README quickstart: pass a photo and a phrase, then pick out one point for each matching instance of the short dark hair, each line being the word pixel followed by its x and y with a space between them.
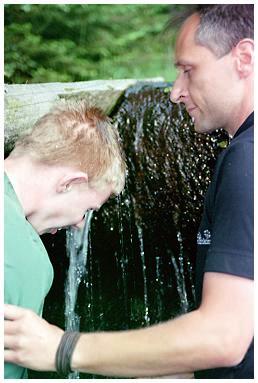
pixel 222 26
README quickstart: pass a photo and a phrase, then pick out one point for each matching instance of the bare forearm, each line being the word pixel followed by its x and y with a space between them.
pixel 218 334
pixel 182 345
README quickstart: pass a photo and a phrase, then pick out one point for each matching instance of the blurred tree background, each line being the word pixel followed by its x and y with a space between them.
pixel 66 43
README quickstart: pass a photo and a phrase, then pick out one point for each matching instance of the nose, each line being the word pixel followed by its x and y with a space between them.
pixel 178 92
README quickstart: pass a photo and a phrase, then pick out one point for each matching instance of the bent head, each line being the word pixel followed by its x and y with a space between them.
pixel 68 203
pixel 78 149
pixel 214 57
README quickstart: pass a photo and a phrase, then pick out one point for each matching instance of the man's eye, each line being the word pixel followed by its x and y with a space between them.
pixel 187 70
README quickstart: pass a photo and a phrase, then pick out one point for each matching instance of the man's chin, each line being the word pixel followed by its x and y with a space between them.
pixel 203 128
pixel 199 129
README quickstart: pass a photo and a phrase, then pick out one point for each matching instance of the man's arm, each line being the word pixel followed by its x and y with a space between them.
pixel 216 335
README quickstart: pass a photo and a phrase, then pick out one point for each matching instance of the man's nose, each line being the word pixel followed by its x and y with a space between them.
pixel 178 92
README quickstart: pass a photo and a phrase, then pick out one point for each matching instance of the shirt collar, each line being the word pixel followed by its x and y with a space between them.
pixel 246 124
pixel 9 190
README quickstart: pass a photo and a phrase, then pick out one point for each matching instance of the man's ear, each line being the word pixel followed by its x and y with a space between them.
pixel 244 53
pixel 66 182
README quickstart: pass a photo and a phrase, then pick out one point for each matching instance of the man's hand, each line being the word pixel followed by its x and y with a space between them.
pixel 29 341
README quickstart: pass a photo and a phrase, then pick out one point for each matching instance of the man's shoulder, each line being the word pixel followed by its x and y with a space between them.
pixel 240 151
pixel 234 168
pixel 246 137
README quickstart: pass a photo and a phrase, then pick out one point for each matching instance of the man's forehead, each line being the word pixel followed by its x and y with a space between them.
pixel 186 39
pixel 187 32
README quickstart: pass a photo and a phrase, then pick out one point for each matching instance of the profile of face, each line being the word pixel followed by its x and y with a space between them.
pixel 206 84
pixel 67 206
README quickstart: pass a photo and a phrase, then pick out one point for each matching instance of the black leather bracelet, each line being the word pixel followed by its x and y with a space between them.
pixel 65 351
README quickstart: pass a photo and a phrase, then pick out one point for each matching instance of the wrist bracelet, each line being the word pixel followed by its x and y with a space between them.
pixel 65 351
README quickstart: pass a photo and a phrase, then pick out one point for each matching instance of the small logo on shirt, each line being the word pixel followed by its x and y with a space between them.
pixel 204 239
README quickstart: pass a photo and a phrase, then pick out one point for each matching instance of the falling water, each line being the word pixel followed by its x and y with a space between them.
pixel 159 288
pixel 180 275
pixel 77 249
pixel 124 256
pixel 145 290
pixel 142 245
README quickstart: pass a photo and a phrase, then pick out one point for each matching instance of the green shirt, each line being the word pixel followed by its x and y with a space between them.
pixel 28 271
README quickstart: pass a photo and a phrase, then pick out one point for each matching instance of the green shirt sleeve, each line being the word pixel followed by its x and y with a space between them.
pixel 28 271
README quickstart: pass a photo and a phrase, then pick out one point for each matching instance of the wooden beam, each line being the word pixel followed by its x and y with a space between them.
pixel 25 103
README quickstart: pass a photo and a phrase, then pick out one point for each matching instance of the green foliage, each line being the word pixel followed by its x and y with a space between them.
pixel 48 43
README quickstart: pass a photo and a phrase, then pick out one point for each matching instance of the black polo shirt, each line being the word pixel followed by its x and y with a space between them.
pixel 225 237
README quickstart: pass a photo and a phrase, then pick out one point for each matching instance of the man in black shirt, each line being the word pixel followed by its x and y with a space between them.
pixel 214 55
pixel 225 236
pixel 211 95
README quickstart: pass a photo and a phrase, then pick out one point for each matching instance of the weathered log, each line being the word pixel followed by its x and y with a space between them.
pixel 25 103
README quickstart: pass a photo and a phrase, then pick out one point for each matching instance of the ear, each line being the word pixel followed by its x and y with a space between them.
pixel 66 182
pixel 244 53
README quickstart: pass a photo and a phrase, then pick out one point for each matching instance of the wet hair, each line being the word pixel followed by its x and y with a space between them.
pixel 222 26
pixel 77 135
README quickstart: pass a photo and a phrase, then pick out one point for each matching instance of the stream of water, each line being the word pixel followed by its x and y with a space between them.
pixel 77 250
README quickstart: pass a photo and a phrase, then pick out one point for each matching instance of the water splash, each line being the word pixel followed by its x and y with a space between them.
pixel 77 250
pixel 180 275
pixel 124 256
pixel 145 290
pixel 159 288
